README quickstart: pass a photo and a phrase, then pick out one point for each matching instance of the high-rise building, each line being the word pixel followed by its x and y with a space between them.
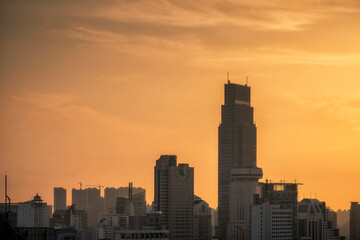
pixel 355 221
pixel 343 222
pixel 238 174
pixel 138 198
pixel 89 200
pixel 271 222
pixel 286 196
pixel 59 198
pixel 110 195
pixel 34 213
pixel 313 222
pixel 202 219
pixel 174 194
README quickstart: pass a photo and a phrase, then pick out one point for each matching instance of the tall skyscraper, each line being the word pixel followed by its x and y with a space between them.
pixel 174 194
pixel 237 162
pixel 59 198
pixel 355 221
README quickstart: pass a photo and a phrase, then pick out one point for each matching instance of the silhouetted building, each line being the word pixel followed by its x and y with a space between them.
pixel 90 201
pixel 202 219
pixel 271 222
pixel 59 198
pixel 138 198
pixel 355 221
pixel 79 198
pixel 149 230
pixel 34 213
pixel 124 206
pixel 174 190
pixel 110 195
pixel 313 221
pixel 237 163
pixel 286 196
pixel 343 222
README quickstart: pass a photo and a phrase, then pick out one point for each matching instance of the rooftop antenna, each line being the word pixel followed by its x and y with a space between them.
pixel 228 79
pixel 246 81
pixel 7 198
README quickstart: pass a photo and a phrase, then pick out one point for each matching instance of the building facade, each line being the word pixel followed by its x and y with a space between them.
pixel 237 150
pixel 355 221
pixel 34 213
pixel 174 194
pixel 202 219
pixel 59 198
pixel 271 222
pixel 313 222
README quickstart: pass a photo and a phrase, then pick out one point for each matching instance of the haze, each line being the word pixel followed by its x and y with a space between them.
pixel 96 91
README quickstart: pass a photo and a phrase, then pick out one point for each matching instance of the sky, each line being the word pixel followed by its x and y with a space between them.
pixel 96 91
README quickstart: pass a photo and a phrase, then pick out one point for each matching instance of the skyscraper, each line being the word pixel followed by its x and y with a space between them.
pixel 59 198
pixel 355 221
pixel 237 158
pixel 174 194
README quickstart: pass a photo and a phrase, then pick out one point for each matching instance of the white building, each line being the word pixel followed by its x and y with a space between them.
pixel 244 184
pixel 271 222
pixel 34 213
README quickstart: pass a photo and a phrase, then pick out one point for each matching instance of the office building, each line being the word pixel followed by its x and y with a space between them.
pixel 355 221
pixel 89 200
pixel 34 213
pixel 237 170
pixel 174 194
pixel 59 198
pixel 313 221
pixel 285 195
pixel 202 219
pixel 343 222
pixel 271 222
pixel 138 198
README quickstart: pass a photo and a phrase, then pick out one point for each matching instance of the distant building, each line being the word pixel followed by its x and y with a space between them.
pixel 355 221
pixel 343 222
pixel 174 192
pixel 110 222
pixel 202 219
pixel 151 229
pixel 110 195
pixel 59 198
pixel 138 198
pixel 34 213
pixel 313 222
pixel 271 222
pixel 89 200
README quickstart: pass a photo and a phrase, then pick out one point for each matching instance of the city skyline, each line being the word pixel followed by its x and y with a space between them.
pixel 96 94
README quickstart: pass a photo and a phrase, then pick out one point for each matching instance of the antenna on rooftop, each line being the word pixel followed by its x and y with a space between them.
pixel 246 81
pixel 228 79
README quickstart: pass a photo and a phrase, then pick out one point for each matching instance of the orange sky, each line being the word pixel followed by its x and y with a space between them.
pixel 96 91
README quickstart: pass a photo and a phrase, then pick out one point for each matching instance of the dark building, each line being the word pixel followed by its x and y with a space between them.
pixel 286 196
pixel 59 198
pixel 202 219
pixel 237 145
pixel 174 194
pixel 314 222
pixel 355 221
pixel 89 200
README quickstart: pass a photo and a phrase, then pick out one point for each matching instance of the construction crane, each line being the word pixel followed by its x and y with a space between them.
pixel 97 186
